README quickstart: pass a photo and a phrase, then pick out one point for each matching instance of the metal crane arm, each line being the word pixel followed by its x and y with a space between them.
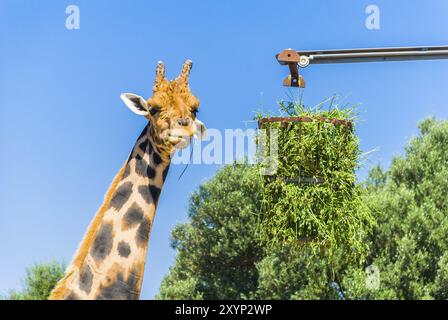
pixel 295 59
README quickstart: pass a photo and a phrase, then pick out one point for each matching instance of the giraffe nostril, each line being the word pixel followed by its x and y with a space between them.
pixel 183 122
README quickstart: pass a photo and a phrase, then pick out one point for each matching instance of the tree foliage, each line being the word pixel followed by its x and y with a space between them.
pixel 217 249
pixel 40 279
pixel 409 246
pixel 219 256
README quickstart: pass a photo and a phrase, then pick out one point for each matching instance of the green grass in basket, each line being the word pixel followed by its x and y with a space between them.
pixel 330 215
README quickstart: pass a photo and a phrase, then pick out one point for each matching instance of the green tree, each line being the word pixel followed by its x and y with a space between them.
pixel 296 273
pixel 219 255
pixel 217 249
pixel 39 281
pixel 409 246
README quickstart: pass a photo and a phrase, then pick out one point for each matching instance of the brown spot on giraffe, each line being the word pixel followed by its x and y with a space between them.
pixel 143 230
pixel 102 245
pixel 124 249
pixel 85 279
pixel 121 195
pixel 133 216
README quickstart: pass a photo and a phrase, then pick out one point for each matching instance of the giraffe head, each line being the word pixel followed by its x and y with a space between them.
pixel 171 110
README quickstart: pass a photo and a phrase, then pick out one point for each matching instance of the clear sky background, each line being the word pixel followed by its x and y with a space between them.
pixel 64 132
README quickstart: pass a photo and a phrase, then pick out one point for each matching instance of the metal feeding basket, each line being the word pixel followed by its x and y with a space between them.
pixel 312 198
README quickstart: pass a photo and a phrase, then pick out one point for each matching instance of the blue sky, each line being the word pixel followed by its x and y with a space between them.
pixel 64 132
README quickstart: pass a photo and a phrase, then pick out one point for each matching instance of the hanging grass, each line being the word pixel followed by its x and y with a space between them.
pixel 313 198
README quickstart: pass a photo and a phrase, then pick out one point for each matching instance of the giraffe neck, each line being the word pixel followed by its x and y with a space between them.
pixel 110 261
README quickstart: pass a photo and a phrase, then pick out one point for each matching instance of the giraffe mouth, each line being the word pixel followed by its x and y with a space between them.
pixel 179 142
pixel 180 138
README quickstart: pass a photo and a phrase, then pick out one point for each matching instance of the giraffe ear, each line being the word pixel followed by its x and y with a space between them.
pixel 136 103
pixel 201 130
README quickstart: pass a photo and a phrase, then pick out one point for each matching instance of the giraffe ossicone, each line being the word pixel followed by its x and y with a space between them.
pixel 110 260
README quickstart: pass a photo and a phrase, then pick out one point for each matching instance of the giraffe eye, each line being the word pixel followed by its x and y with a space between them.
pixel 153 111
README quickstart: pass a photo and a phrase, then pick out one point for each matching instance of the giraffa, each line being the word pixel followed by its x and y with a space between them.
pixel 110 260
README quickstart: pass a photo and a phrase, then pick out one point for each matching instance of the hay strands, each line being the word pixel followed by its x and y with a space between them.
pixel 284 121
